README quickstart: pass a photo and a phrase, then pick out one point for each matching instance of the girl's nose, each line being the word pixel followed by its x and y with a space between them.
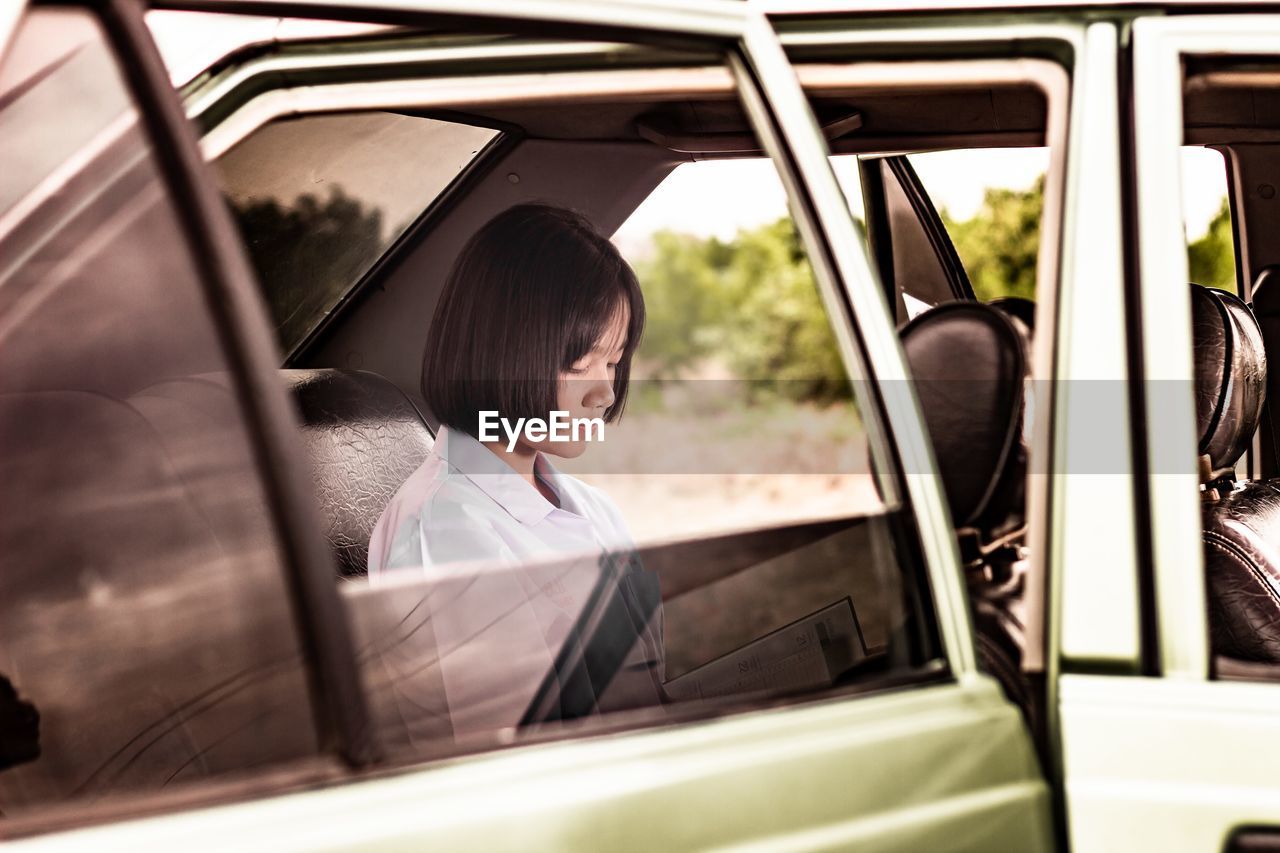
pixel 599 391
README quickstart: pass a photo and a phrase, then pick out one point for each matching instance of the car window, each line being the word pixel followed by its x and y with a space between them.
pixel 1206 215
pixel 320 198
pixel 727 543
pixel 146 636
pixel 990 201
pixel 748 554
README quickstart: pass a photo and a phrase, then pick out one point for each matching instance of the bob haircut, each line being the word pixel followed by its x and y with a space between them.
pixel 530 294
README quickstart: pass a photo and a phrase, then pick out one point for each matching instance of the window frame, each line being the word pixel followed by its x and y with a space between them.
pixel 778 108
pixel 1179 602
pixel 999 43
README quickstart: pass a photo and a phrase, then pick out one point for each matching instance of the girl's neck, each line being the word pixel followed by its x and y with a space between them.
pixel 523 460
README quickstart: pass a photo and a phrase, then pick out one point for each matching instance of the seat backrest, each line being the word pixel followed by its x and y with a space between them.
pixel 969 365
pixel 1241 521
pixel 364 438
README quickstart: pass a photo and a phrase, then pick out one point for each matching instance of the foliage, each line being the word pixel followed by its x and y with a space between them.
pixel 1212 258
pixel 999 245
pixel 749 305
pixel 308 255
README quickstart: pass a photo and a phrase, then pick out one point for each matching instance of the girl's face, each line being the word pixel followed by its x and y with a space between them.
pixel 586 388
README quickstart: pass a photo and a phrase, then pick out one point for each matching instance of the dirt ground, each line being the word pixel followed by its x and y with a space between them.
pixel 676 475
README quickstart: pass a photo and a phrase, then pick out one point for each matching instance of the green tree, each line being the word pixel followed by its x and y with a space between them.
pixel 308 254
pixel 999 245
pixel 749 304
pixel 1212 258
pixel 683 283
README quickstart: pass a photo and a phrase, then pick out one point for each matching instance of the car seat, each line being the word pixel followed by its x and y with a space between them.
pixel 969 364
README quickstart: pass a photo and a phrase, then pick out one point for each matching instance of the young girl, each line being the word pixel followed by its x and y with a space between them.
pixel 540 313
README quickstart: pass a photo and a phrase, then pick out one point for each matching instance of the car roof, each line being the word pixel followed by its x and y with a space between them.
pixel 732 8
pixel 784 8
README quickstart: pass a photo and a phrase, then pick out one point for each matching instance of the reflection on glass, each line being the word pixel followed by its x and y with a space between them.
pixel 476 653
pixel 146 637
pixel 320 198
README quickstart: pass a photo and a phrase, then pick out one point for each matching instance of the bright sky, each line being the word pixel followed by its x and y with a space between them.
pixel 717 198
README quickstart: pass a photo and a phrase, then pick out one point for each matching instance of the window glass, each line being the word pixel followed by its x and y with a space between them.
pixel 145 631
pixel 320 198
pixel 990 200
pixel 721 544
pixel 1211 254
pixel 738 365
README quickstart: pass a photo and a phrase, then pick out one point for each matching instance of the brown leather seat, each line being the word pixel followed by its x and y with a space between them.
pixel 364 438
pixel 969 364
pixel 1241 520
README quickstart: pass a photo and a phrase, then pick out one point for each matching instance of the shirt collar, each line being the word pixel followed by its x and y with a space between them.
pixel 500 481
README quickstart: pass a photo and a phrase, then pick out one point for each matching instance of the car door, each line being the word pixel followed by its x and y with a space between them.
pixel 934 757
pixel 1164 744
pixel 155 548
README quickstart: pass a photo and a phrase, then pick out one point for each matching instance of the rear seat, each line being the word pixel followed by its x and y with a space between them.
pixel 1240 520
pixel 364 438
pixel 969 364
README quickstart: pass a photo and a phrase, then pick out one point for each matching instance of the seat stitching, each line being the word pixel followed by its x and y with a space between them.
pixel 1232 550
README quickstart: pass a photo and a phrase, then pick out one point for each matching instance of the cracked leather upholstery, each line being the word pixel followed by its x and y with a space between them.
pixel 1242 528
pixel 1242 563
pixel 364 439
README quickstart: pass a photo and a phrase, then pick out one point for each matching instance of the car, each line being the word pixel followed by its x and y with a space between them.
pixel 964 538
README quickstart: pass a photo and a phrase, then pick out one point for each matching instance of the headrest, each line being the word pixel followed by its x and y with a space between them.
pixel 969 364
pixel 1231 374
pixel 364 438
pixel 1016 306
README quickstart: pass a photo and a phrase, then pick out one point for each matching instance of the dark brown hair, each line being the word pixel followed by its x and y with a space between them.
pixel 530 294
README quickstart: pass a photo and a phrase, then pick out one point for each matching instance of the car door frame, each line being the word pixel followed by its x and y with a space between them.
pixel 876 173
pixel 969 703
pixel 1157 753
pixel 1082 382
pixel 792 138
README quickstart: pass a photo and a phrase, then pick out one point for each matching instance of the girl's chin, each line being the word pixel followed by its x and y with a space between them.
pixel 563 449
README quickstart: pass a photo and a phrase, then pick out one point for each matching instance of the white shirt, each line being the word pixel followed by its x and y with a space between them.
pixel 464 503
pixel 511 574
